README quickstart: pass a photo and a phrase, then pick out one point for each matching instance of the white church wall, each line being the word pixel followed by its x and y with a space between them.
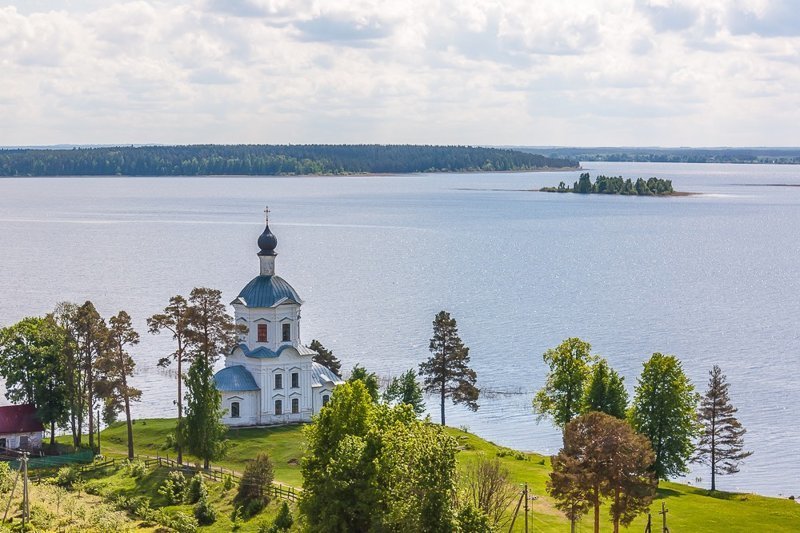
pixel 248 410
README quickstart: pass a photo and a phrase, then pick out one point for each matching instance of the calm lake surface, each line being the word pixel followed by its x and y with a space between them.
pixel 712 279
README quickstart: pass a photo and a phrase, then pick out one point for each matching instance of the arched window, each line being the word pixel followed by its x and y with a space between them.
pixel 278 407
pixel 234 409
pixel 262 333
pixel 325 399
pixel 295 406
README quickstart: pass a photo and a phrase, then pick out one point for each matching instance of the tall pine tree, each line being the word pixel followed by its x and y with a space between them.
pixel 325 357
pixel 115 365
pixel 721 444
pixel 447 372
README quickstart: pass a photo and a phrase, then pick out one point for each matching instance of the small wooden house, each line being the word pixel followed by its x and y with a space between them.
pixel 20 428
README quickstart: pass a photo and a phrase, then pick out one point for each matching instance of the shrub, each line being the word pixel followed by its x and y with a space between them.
pixel 284 520
pixel 135 469
pixel 67 476
pixel 227 483
pixel 196 489
pixel 173 487
pixel 6 478
pixel 203 512
pixel 236 518
pixel 472 520
pixel 178 521
pixel 254 488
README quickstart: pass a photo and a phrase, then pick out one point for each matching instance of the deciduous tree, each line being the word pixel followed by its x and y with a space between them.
pixel 447 372
pixel 602 459
pixel 33 365
pixel 721 444
pixel 373 467
pixel 175 319
pixel 115 365
pixel 562 397
pixel 664 410
pixel 406 389
pixel 486 486
pixel 325 357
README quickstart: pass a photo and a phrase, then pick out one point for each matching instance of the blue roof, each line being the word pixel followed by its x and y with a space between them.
pixel 262 352
pixel 235 378
pixel 267 291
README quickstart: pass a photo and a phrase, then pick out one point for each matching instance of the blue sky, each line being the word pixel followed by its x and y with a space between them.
pixel 589 73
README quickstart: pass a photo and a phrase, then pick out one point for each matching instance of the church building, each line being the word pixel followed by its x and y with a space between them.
pixel 269 378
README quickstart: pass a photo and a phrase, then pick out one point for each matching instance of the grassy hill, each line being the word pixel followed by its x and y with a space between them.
pixel 690 508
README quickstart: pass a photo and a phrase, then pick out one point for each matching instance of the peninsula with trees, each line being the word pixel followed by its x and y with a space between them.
pixel 617 185
pixel 270 160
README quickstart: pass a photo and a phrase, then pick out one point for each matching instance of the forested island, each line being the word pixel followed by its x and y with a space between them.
pixel 616 185
pixel 269 160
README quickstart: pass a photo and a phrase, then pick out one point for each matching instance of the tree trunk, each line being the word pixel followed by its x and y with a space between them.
pixel 130 425
pixel 90 406
pixel 178 439
pixel 443 395
pixel 617 515
pixel 596 509
pixel 205 463
pixel 52 433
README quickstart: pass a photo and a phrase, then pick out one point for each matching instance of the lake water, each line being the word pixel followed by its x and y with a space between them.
pixel 712 279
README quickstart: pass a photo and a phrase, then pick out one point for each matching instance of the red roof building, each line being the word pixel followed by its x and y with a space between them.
pixel 20 427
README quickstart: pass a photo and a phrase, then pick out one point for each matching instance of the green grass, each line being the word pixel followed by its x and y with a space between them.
pixel 690 508
pixel 111 483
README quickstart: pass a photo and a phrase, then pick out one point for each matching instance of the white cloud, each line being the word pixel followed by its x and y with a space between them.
pixel 669 72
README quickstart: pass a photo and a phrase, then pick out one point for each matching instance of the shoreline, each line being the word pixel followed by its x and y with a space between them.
pixel 341 175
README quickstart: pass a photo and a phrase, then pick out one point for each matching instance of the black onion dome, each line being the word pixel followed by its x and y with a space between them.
pixel 267 242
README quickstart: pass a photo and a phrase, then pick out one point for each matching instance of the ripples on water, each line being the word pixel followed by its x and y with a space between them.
pixel 712 278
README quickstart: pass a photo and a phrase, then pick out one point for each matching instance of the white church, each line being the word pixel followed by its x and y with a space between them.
pixel 269 378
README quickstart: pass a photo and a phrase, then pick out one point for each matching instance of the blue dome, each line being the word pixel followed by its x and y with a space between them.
pixel 266 291
pixel 235 378
pixel 267 242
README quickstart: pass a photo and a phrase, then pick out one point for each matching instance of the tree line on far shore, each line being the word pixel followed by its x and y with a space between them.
pixel 261 159
pixel 615 185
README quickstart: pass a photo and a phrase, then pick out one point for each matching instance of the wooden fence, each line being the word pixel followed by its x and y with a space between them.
pixel 218 473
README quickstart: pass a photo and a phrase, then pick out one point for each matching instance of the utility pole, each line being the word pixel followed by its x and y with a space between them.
pixel 526 507
pixel 25 503
pixel 663 512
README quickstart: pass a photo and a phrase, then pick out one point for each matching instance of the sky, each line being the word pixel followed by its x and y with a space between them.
pixel 528 72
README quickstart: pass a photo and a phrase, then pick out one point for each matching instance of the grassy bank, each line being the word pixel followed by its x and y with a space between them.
pixel 690 509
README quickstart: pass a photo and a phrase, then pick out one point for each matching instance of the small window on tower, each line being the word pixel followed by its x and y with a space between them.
pixel 287 332
pixel 295 380
pixel 262 333
pixel 278 381
pixel 295 405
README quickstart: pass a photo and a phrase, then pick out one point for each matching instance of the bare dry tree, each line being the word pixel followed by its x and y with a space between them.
pixel 486 485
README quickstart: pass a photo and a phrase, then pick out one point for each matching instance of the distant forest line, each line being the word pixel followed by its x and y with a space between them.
pixel 271 160
pixel 781 156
